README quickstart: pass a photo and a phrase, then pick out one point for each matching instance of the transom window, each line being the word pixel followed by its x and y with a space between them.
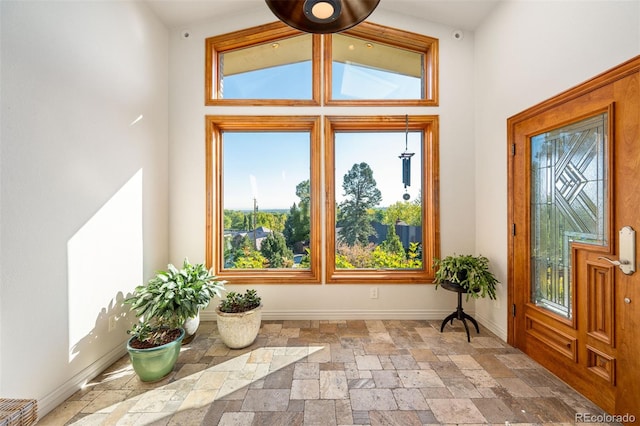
pixel 290 203
pixel 277 65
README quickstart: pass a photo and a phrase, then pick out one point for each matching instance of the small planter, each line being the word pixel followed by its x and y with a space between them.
pixel 239 330
pixel 154 364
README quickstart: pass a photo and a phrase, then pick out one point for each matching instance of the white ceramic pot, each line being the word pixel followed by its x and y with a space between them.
pixel 191 327
pixel 239 330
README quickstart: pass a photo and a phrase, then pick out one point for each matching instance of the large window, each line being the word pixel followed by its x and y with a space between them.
pixel 263 198
pixel 382 216
pixel 290 203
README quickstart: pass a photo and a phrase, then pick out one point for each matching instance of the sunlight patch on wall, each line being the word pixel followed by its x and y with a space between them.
pixel 104 260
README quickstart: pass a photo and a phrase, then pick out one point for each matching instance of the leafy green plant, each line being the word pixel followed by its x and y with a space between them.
pixel 171 297
pixel 470 272
pixel 236 302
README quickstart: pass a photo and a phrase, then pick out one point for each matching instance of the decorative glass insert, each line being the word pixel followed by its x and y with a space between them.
pixel 280 69
pixel 363 69
pixel 266 200
pixel 378 218
pixel 568 204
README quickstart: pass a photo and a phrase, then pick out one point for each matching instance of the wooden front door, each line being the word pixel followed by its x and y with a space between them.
pixel 574 208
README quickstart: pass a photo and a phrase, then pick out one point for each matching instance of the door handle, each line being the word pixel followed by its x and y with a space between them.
pixel 614 262
pixel 626 250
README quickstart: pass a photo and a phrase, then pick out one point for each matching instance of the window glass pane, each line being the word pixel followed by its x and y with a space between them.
pixel 266 199
pixel 568 203
pixel 378 218
pixel 363 69
pixel 275 70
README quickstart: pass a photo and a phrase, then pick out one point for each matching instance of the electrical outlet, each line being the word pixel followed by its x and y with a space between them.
pixel 112 322
pixel 373 293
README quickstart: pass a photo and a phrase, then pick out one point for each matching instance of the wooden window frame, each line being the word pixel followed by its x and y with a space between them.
pixel 428 125
pixel 322 245
pixel 421 44
pixel 418 43
pixel 214 46
pixel 215 126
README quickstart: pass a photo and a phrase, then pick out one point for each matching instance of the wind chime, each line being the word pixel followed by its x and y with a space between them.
pixel 406 161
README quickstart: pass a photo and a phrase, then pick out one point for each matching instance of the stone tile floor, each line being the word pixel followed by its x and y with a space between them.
pixel 333 373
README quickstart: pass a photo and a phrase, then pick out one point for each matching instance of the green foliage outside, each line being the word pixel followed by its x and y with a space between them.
pixel 390 254
pixel 274 249
pixel 306 259
pixel 297 227
pixel 355 212
pixel 342 262
pixel 291 231
pixel 243 221
pixel 392 243
pixel 273 221
pixel 376 257
pixel 250 259
pixel 406 211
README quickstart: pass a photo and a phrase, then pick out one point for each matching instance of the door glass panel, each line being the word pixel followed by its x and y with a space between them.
pixel 568 203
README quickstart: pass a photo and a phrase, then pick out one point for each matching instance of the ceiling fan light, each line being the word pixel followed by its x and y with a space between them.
pixel 322 11
pixel 322 16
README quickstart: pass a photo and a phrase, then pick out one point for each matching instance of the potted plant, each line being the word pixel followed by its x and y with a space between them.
pixel 193 287
pixel 163 305
pixel 469 272
pixel 153 349
pixel 239 317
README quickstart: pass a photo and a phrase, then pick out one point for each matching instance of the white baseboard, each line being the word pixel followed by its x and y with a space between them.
pixel 51 401
pixel 492 326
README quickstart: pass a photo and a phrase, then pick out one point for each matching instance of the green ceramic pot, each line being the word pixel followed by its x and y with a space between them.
pixel 153 364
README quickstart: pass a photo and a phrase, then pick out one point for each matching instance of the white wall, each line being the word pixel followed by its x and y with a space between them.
pixel 187 169
pixel 84 175
pixel 526 52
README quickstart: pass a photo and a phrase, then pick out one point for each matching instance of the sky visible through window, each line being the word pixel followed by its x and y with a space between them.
pixel 268 83
pixel 351 81
pixel 380 151
pixel 267 166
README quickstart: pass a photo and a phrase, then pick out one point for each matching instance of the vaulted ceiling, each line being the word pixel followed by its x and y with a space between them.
pixel 459 14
